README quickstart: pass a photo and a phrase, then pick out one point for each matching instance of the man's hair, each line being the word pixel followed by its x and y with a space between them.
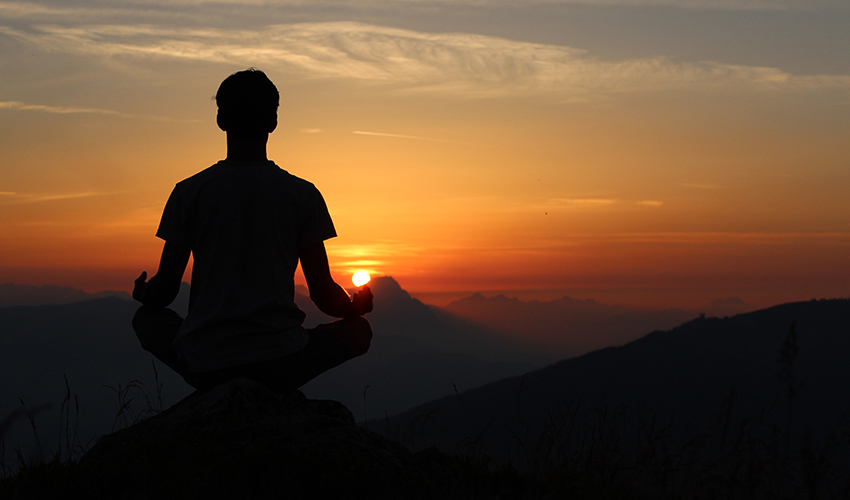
pixel 247 103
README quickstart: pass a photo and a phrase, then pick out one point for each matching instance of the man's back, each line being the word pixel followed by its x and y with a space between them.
pixel 244 223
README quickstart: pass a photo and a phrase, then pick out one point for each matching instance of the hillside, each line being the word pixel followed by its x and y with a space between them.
pixel 684 375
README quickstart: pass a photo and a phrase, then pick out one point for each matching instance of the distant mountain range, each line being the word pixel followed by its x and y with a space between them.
pixel 27 295
pixel 688 375
pixel 569 327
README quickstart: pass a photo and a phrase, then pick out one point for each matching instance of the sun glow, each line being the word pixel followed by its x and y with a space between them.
pixel 360 278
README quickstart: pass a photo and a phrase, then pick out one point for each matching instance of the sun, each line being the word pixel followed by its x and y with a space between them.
pixel 360 278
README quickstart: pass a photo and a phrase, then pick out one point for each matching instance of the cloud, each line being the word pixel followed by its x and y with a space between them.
pixel 64 110
pixel 18 198
pixel 404 60
pixel 381 248
pixel 556 205
pixel 17 10
pixel 361 263
pixel 12 12
pixel 400 136
pixel 29 9
pixel 700 186
pixel 692 238
pixel 580 202
pixel 54 109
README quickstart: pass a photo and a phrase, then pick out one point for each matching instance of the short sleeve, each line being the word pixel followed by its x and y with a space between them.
pixel 172 226
pixel 318 225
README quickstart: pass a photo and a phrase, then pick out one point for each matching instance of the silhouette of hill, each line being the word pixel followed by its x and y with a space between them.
pixel 682 375
pixel 27 295
pixel 569 327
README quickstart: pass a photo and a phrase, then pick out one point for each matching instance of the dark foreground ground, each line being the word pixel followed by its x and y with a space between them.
pixel 240 440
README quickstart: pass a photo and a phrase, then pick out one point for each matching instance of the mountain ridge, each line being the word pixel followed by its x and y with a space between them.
pixel 12 295
pixel 685 374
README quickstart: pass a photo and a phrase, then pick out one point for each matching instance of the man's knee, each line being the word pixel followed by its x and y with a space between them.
pixel 143 325
pixel 361 335
pixel 155 327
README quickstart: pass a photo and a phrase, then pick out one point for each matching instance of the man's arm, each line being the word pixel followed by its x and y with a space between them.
pixel 162 289
pixel 328 296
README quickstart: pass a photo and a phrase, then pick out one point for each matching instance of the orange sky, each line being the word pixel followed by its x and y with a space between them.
pixel 453 161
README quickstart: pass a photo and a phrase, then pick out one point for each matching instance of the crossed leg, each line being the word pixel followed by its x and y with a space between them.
pixel 329 345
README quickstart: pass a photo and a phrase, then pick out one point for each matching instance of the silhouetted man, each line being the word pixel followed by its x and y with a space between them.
pixel 247 223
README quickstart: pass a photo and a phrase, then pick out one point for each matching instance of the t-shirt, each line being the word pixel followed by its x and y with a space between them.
pixel 244 223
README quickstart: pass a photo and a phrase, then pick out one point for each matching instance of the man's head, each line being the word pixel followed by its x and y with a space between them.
pixel 247 103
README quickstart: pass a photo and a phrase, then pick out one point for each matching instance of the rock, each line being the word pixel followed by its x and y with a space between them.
pixel 230 415
pixel 240 440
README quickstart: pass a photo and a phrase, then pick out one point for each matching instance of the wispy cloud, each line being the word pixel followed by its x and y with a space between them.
pixel 29 9
pixel 400 136
pixel 557 205
pixel 701 238
pixel 697 238
pixel 406 60
pixel 65 110
pixel 376 258
pixel 700 186
pixel 554 205
pixel 11 198
pixel 54 109
pixel 381 248
pixel 580 202
pixel 18 10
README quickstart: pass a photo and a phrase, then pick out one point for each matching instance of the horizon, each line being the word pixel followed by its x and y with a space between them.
pixel 616 297
pixel 648 153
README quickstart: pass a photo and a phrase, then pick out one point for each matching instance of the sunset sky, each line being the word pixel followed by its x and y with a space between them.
pixel 645 152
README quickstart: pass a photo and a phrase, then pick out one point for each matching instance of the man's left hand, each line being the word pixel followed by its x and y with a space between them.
pixel 361 302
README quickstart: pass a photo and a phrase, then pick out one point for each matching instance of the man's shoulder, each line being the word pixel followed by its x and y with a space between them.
pixel 296 182
pixel 224 174
pixel 226 168
pixel 199 177
pixel 301 183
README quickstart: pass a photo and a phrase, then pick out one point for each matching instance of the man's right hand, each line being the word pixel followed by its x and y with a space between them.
pixel 139 286
pixel 328 296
